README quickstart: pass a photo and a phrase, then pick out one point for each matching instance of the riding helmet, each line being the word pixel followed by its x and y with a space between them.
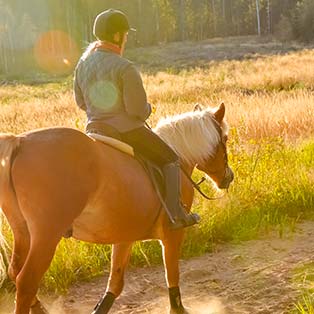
pixel 110 22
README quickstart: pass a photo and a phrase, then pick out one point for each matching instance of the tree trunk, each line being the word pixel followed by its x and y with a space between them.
pixel 181 19
pixel 268 17
pixel 258 18
pixel 157 24
pixel 214 17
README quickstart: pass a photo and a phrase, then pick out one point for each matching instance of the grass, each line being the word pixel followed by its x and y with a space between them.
pixel 259 201
pixel 303 277
pixel 269 103
pixel 305 306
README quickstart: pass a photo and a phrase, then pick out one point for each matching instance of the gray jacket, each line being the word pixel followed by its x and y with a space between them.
pixel 110 89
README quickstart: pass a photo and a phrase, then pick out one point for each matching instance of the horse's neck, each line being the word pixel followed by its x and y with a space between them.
pixel 180 139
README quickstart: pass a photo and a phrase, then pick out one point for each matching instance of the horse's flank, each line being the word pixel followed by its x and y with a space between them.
pixel 105 194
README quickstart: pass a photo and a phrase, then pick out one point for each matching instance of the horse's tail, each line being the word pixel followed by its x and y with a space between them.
pixel 8 145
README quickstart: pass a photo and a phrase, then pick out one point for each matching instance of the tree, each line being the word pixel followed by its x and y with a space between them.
pixel 258 18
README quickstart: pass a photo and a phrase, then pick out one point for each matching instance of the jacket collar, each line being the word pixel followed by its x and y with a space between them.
pixel 107 46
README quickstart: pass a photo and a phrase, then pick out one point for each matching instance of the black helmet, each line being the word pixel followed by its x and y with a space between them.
pixel 110 22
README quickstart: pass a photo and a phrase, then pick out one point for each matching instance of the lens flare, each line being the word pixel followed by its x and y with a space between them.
pixel 56 52
pixel 66 61
pixel 103 95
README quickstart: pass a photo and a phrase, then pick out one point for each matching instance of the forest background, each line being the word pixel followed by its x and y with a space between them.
pixel 53 28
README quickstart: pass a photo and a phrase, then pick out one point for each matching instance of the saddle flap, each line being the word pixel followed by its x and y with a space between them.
pixel 121 146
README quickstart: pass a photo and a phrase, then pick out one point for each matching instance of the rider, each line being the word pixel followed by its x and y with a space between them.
pixel 110 89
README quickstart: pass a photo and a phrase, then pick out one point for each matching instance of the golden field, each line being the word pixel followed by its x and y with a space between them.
pixel 266 96
pixel 269 98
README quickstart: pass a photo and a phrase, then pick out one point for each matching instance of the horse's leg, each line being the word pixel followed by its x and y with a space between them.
pixel 171 254
pixel 21 238
pixel 20 251
pixel 41 252
pixel 21 242
pixel 119 261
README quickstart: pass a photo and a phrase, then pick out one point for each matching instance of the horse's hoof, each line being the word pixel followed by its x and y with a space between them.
pixel 38 308
pixel 180 310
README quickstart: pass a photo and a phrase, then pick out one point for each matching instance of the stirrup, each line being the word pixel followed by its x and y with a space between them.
pixel 189 220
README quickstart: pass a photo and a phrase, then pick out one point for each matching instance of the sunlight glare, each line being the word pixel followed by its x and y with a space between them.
pixel 103 95
pixel 213 306
pixel 66 61
pixel 3 162
pixel 56 52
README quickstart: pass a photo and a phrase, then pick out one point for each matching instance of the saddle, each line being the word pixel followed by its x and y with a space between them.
pixel 151 169
pixel 110 136
pixel 117 144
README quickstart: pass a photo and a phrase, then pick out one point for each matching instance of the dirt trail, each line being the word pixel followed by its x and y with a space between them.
pixel 248 278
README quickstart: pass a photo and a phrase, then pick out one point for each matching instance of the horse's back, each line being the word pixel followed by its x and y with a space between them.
pixel 63 178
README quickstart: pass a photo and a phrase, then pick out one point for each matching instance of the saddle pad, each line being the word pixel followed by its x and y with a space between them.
pixel 123 147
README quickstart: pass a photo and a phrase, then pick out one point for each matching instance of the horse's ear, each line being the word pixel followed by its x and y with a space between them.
pixel 197 107
pixel 220 113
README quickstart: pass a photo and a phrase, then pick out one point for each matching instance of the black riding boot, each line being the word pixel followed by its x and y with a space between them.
pixel 176 212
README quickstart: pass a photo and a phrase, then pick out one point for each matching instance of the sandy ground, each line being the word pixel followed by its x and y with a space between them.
pixel 251 277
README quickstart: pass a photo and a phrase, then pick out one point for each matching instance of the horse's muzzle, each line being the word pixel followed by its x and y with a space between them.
pixel 229 176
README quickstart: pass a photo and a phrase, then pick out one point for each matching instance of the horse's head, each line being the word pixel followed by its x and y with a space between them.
pixel 216 164
pixel 199 138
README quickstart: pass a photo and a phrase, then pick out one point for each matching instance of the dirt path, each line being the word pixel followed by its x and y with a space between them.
pixel 248 278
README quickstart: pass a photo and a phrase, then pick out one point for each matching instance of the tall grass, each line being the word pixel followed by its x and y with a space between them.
pixel 261 100
pixel 269 103
pixel 306 305
pixel 303 278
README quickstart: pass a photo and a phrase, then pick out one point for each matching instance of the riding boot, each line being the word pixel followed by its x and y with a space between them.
pixel 178 216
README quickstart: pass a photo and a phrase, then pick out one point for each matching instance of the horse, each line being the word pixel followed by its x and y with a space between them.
pixel 56 179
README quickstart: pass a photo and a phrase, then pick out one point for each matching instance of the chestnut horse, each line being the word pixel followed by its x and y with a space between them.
pixel 57 179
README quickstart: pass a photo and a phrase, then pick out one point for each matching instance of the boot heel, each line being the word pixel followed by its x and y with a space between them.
pixel 189 220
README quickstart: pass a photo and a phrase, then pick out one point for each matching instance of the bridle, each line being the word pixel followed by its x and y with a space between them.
pixel 195 185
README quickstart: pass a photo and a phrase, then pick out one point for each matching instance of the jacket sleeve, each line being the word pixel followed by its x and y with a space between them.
pixel 134 95
pixel 78 95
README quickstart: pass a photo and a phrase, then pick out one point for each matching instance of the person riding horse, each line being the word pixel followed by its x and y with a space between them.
pixel 110 89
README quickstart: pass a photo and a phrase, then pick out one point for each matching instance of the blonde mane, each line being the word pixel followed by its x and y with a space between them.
pixel 192 135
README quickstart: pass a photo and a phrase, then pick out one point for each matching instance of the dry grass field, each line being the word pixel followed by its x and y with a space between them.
pixel 266 95
pixel 268 90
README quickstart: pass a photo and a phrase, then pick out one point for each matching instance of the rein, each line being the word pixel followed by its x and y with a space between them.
pixel 196 186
